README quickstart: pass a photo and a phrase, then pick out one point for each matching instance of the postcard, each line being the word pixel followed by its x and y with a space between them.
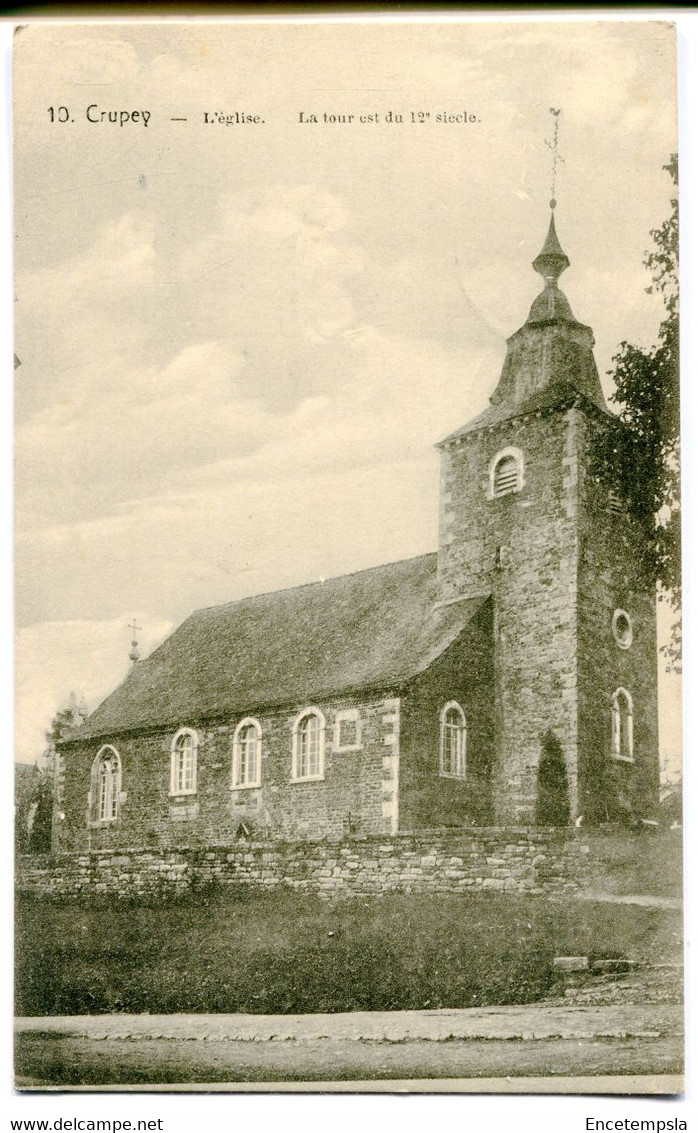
pixel 348 733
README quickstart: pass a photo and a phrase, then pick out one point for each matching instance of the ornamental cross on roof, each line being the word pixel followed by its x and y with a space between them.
pixel 134 653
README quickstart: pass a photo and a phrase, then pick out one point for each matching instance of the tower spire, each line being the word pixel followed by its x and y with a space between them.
pixel 552 349
pixel 552 261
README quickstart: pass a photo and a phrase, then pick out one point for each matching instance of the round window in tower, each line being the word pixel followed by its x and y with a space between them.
pixel 622 629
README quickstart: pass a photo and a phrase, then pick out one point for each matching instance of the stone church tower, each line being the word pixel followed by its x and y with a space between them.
pixel 523 519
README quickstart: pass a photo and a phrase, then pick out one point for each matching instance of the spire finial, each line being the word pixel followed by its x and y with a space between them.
pixel 552 261
pixel 134 653
pixel 553 147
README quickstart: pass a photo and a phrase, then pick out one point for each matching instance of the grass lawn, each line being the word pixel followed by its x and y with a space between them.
pixel 288 952
pixel 649 862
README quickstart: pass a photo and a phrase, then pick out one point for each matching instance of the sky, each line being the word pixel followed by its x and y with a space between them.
pixel 240 343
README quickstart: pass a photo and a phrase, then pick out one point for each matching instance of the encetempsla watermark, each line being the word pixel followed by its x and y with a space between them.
pixel 650 1124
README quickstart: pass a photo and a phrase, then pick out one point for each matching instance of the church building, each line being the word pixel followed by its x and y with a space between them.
pixel 508 679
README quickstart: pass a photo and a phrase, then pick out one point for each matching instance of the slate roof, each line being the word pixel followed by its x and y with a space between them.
pixel 555 395
pixel 551 306
pixel 372 629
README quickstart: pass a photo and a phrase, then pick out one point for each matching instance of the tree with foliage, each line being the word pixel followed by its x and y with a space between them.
pixel 640 461
pixel 35 788
pixel 65 720
pixel 553 802
pixel 32 785
pixel 33 811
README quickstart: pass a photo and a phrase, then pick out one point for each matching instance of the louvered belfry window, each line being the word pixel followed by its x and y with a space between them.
pixel 507 476
pixel 615 503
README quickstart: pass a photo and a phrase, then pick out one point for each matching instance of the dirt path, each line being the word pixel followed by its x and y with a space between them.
pixel 532 1021
pixel 535 1041
pixel 56 1061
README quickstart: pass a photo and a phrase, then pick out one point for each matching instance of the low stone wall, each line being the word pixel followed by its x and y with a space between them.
pixel 515 860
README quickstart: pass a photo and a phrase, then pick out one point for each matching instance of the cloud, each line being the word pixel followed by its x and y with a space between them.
pixel 294 379
pixel 192 523
pixel 56 658
pixel 240 345
pixel 119 262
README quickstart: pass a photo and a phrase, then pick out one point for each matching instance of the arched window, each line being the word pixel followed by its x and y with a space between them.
pixel 309 745
pixel 622 725
pixel 183 764
pixel 506 473
pixel 247 754
pixel 453 741
pixel 106 785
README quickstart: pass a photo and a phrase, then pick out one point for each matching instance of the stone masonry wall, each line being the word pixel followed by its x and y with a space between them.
pixel 608 581
pixel 522 548
pixel 358 793
pixel 512 860
pixel 463 673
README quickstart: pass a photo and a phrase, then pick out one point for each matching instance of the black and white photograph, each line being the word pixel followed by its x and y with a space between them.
pixel 348 746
